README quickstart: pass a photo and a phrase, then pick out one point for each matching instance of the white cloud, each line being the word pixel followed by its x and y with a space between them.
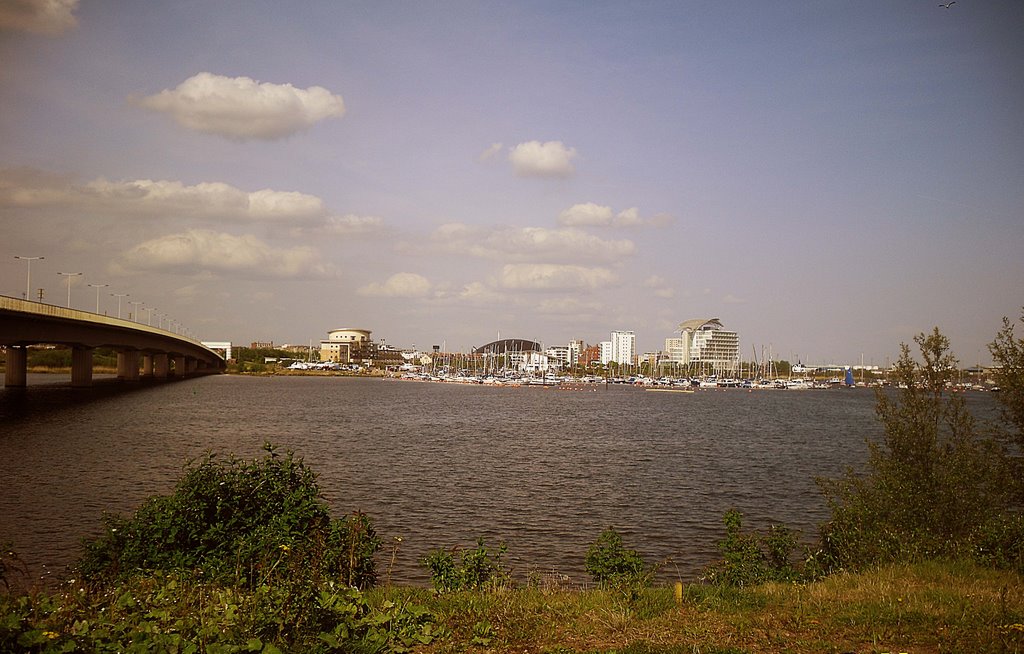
pixel 553 277
pixel 489 153
pixel 240 108
pixel 569 306
pixel 526 244
pixel 536 159
pixel 732 299
pixel 399 285
pixel 589 214
pixel 159 198
pixel 47 17
pixel 198 251
pixel 579 215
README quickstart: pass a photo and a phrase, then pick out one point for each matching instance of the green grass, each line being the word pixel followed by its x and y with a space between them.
pixel 928 607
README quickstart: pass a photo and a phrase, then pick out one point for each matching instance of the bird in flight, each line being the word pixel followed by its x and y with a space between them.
pixel 948 4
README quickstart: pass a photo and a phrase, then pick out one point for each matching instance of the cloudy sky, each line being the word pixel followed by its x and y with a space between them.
pixel 828 178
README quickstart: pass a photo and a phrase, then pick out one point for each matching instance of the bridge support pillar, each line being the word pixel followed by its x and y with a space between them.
pixel 81 366
pixel 17 365
pixel 179 367
pixel 147 365
pixel 128 365
pixel 160 366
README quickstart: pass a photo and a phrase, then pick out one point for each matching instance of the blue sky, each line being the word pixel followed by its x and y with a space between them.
pixel 828 178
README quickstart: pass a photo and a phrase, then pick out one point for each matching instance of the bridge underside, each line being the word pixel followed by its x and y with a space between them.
pixel 142 351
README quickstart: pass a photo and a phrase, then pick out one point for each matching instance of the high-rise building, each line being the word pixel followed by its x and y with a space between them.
pixel 707 343
pixel 606 352
pixel 623 347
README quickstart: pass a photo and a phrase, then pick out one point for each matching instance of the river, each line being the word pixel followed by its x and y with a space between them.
pixel 439 465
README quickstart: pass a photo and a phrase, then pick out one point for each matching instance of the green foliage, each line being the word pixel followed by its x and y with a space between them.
pixel 999 543
pixel 750 558
pixel 249 522
pixel 1008 355
pixel 476 568
pixel 612 565
pixel 932 481
pixel 181 614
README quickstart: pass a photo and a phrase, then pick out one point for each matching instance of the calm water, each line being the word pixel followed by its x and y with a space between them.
pixel 439 465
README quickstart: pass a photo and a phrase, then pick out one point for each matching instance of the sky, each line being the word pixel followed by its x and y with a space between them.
pixel 827 178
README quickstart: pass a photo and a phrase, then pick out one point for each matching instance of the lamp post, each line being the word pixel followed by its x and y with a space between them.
pixel 136 303
pixel 149 316
pixel 69 275
pixel 28 279
pixel 98 287
pixel 119 296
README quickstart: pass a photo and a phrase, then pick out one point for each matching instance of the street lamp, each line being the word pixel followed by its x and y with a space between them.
pixel 119 296
pixel 98 287
pixel 28 279
pixel 136 303
pixel 149 316
pixel 69 276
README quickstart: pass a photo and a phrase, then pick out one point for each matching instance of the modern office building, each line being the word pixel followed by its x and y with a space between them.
pixel 347 346
pixel 705 342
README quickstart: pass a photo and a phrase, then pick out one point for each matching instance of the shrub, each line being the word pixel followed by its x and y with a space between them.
pixel 751 558
pixel 237 521
pixel 932 481
pixel 612 565
pixel 476 568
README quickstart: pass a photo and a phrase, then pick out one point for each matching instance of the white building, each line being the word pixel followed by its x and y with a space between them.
pixel 606 352
pixel 575 349
pixel 623 347
pixel 345 345
pixel 705 342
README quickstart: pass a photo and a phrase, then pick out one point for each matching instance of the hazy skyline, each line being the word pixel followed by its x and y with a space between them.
pixel 827 178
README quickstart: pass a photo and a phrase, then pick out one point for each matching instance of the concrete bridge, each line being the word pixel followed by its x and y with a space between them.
pixel 142 350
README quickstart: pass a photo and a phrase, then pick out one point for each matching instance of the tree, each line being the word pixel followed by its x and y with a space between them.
pixel 1008 355
pixel 931 483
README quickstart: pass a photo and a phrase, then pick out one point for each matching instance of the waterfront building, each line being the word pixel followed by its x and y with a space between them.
pixel 347 345
pixel 707 344
pixel 576 348
pixel 623 347
pixel 606 352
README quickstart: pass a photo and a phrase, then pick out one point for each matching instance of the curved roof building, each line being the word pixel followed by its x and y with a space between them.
pixel 508 345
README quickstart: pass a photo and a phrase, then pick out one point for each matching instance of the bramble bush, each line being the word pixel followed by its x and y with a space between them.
pixel 242 521
pixel 750 558
pixel 613 566
pixel 476 568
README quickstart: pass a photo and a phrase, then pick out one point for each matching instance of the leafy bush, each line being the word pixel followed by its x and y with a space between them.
pixel 932 481
pixel 476 568
pixel 612 565
pixel 751 558
pixel 245 522
pixel 999 543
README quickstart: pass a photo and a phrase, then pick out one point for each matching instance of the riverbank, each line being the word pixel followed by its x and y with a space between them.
pixel 921 608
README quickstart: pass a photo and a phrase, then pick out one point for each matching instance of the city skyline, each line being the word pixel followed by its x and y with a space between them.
pixel 828 180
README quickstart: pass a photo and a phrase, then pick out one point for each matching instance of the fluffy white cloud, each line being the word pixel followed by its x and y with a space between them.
pixel 158 198
pixel 579 215
pixel 554 277
pixel 241 108
pixel 531 244
pixel 536 159
pixel 399 285
pixel 589 214
pixel 198 251
pixel 48 17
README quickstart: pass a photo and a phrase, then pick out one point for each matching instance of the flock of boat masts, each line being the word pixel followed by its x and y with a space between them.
pixel 707 382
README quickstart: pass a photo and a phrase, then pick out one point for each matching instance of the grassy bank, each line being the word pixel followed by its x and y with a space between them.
pixel 925 607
